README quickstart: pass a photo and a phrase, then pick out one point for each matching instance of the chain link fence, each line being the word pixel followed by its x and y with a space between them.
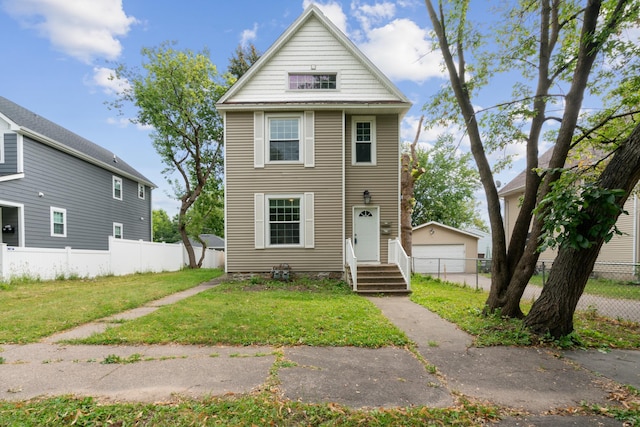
pixel 613 289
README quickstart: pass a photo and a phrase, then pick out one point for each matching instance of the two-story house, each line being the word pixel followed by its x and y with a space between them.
pixel 312 144
pixel 59 190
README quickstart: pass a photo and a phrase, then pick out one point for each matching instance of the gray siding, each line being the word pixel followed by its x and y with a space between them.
pixel 10 165
pixel 324 181
pixel 84 190
pixel 382 180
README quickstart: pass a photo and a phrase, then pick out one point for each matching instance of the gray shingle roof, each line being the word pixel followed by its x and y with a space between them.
pixel 517 183
pixel 30 121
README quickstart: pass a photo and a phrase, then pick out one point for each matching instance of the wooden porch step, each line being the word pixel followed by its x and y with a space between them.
pixel 381 279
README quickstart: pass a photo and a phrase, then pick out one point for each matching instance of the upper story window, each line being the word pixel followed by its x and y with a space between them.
pixel 312 81
pixel 363 145
pixel 284 138
pixel 117 188
pixel 58 222
pixel 141 191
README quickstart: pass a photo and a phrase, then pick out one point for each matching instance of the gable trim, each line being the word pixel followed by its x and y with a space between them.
pixel 313 11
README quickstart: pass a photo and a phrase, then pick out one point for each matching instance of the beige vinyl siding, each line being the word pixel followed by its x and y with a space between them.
pixel 382 180
pixel 620 248
pixel 324 180
pixel 313 45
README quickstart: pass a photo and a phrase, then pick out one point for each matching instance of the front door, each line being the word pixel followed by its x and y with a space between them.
pixel 366 234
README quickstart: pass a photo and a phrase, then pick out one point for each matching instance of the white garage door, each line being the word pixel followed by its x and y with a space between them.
pixel 428 258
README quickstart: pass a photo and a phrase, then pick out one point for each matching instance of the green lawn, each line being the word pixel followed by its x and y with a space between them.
pixel 319 313
pixel 254 410
pixel 33 310
pixel 463 306
pixel 604 287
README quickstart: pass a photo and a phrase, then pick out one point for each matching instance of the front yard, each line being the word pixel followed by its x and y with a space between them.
pixel 317 313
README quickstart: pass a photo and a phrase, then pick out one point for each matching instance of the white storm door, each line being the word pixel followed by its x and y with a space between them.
pixel 366 234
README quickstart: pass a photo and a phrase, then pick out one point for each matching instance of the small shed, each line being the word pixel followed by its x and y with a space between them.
pixel 438 247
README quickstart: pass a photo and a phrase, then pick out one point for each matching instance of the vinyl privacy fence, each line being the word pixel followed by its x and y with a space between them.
pixel 122 257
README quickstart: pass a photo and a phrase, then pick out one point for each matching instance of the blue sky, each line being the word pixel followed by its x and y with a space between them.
pixel 57 55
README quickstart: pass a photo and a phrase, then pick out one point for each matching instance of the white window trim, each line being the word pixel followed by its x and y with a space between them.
pixel 361 119
pixel 267 138
pixel 1 146
pixel 320 73
pixel 116 225
pixel 262 224
pixel 64 221
pixel 144 191
pixel 113 187
pixel 261 141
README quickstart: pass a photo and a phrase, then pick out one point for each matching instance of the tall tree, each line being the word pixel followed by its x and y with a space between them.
pixel 446 192
pixel 410 174
pixel 176 96
pixel 539 46
pixel 243 58
pixel 164 230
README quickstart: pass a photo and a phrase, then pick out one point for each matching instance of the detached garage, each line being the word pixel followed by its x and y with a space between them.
pixel 438 247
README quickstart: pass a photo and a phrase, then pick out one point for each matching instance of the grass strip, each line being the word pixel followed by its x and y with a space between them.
pixel 251 410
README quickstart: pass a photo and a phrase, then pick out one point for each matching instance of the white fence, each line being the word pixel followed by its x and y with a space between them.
pixel 122 257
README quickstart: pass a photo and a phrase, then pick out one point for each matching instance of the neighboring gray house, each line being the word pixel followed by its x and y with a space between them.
pixel 59 190
pixel 312 141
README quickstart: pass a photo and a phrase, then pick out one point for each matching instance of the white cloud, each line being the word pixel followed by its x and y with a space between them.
pixel 248 36
pixel 369 15
pixel 403 51
pixel 82 29
pixel 105 79
pixel 332 10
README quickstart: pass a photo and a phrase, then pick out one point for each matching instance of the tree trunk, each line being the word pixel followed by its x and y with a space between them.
pixel 553 312
pixel 409 174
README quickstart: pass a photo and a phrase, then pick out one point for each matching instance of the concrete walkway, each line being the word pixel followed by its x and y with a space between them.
pixel 529 380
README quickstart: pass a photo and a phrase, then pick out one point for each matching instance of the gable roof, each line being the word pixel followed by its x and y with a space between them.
pixel 394 98
pixel 517 184
pixel 28 123
pixel 211 240
pixel 455 230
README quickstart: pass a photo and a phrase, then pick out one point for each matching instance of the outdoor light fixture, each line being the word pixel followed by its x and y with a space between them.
pixel 367 197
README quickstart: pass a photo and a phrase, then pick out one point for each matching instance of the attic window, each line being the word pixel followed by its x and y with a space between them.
pixel 312 81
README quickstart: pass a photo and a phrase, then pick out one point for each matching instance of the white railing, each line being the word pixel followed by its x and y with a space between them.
pixel 352 262
pixel 122 257
pixel 398 256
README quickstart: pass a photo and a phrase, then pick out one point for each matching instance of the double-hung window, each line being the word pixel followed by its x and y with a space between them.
pixel 364 141
pixel 117 230
pixel 117 187
pixel 284 221
pixel 141 191
pixel 58 222
pixel 284 138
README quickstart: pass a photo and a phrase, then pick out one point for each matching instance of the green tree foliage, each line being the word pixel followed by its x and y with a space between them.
pixel 445 192
pixel 554 55
pixel 243 58
pixel 176 95
pixel 164 229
